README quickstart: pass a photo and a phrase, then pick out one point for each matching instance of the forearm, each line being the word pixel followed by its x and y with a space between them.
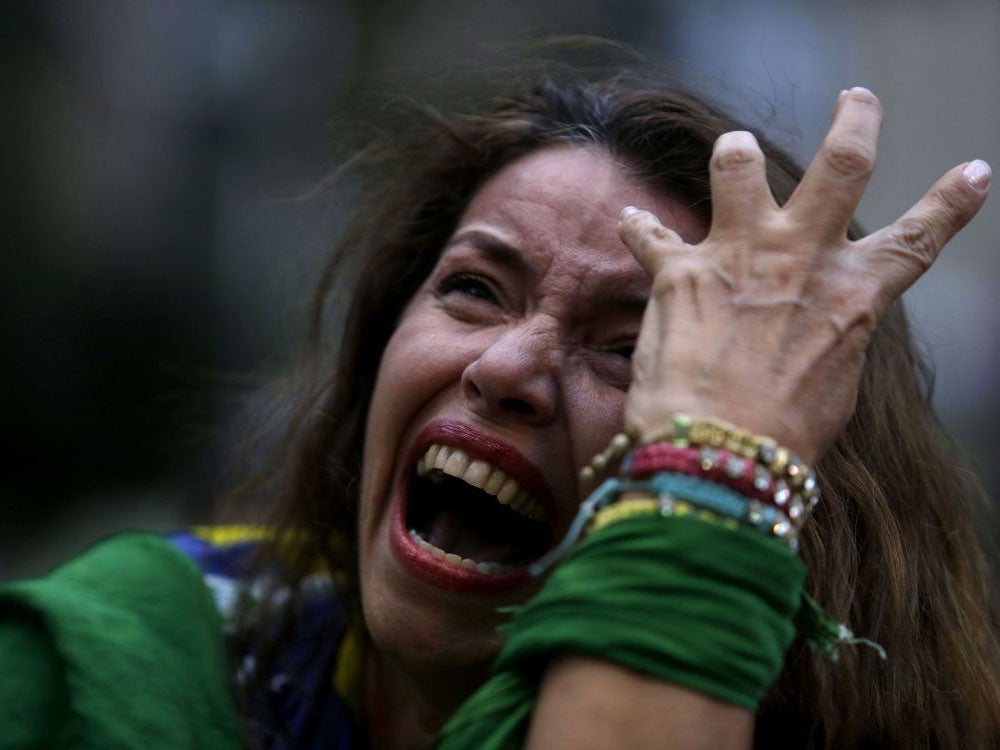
pixel 586 702
pixel 643 606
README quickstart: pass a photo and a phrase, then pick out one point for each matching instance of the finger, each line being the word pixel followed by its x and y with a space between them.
pixel 832 186
pixel 648 239
pixel 739 184
pixel 901 252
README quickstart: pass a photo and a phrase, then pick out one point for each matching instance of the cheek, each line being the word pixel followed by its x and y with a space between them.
pixel 383 430
pixel 420 365
pixel 597 416
pixel 408 373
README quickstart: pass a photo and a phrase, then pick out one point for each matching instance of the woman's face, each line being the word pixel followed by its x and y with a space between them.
pixel 507 373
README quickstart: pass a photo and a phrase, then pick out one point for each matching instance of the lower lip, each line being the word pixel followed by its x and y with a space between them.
pixel 424 565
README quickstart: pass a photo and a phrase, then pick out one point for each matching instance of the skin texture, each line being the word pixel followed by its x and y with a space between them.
pixel 629 710
pixel 532 351
pixel 763 322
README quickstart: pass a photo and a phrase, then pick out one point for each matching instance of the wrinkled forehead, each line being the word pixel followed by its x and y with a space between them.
pixel 573 194
pixel 560 206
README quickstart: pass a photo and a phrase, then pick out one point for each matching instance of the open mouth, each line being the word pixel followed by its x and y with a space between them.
pixel 469 514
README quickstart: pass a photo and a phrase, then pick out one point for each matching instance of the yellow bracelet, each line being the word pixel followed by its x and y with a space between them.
pixel 648 506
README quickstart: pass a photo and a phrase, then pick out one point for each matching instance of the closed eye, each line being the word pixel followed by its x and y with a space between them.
pixel 612 362
pixel 625 349
pixel 622 348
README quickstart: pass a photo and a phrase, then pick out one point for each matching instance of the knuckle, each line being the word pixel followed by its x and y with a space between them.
pixel 869 303
pixel 860 305
pixel 639 222
pixel 916 239
pixel 849 158
pixel 643 229
pixel 662 233
pixel 682 272
pixel 866 318
pixel 630 228
pixel 954 206
pixel 650 242
pixel 728 158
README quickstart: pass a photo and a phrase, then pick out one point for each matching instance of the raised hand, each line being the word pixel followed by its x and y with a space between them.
pixel 765 322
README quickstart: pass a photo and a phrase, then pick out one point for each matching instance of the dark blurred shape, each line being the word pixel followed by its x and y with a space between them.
pixel 152 152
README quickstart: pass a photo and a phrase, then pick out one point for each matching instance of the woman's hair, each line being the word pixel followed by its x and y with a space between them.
pixel 893 547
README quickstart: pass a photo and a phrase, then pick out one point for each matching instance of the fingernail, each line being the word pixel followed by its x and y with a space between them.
pixel 861 90
pixel 628 211
pixel 978 173
pixel 738 139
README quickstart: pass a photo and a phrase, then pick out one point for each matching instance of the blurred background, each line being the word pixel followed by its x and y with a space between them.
pixel 157 249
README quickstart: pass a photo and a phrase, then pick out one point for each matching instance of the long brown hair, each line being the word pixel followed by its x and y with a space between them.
pixel 893 549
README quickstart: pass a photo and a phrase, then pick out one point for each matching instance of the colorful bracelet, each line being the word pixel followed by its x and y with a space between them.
pixel 710 464
pixel 715 433
pixel 607 459
pixel 668 488
pixel 741 474
pixel 635 507
pixel 789 483
pixel 723 501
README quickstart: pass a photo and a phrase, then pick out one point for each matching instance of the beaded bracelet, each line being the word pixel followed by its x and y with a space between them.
pixel 715 433
pixel 663 506
pixel 718 465
pixel 791 477
pixel 725 502
pixel 610 457
pixel 668 488
pixel 764 480
pixel 744 476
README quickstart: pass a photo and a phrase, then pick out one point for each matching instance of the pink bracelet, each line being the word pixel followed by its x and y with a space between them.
pixel 720 466
pixel 743 475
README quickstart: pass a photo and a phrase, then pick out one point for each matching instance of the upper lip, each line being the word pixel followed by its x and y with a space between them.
pixel 497 452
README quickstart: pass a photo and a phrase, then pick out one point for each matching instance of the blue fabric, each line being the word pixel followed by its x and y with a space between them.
pixel 297 706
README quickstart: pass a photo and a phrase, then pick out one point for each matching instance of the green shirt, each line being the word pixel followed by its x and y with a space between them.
pixel 119 648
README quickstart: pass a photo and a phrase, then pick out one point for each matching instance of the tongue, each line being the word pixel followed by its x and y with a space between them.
pixel 452 532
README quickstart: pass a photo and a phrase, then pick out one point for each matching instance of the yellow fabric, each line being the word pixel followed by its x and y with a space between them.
pixel 347 677
pixel 224 536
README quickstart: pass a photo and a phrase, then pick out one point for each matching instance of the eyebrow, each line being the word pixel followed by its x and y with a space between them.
pixel 495 248
pixel 506 254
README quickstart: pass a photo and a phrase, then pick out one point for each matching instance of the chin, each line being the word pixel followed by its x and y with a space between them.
pixel 440 638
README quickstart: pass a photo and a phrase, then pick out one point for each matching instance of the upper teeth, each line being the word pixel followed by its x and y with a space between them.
pixel 479 473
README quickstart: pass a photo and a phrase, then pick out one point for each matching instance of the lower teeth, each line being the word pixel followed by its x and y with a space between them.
pixel 456 561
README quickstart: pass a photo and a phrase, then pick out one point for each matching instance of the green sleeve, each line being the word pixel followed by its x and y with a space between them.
pixel 33 703
pixel 120 648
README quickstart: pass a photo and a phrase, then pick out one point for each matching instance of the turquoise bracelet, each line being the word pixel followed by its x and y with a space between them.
pixel 667 487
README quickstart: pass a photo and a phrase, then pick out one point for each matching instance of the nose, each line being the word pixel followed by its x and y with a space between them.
pixel 515 376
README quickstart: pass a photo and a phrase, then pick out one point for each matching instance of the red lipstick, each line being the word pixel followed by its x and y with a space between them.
pixel 508 459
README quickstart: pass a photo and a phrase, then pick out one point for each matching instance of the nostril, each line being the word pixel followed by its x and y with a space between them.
pixel 471 389
pixel 517 405
pixel 507 380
